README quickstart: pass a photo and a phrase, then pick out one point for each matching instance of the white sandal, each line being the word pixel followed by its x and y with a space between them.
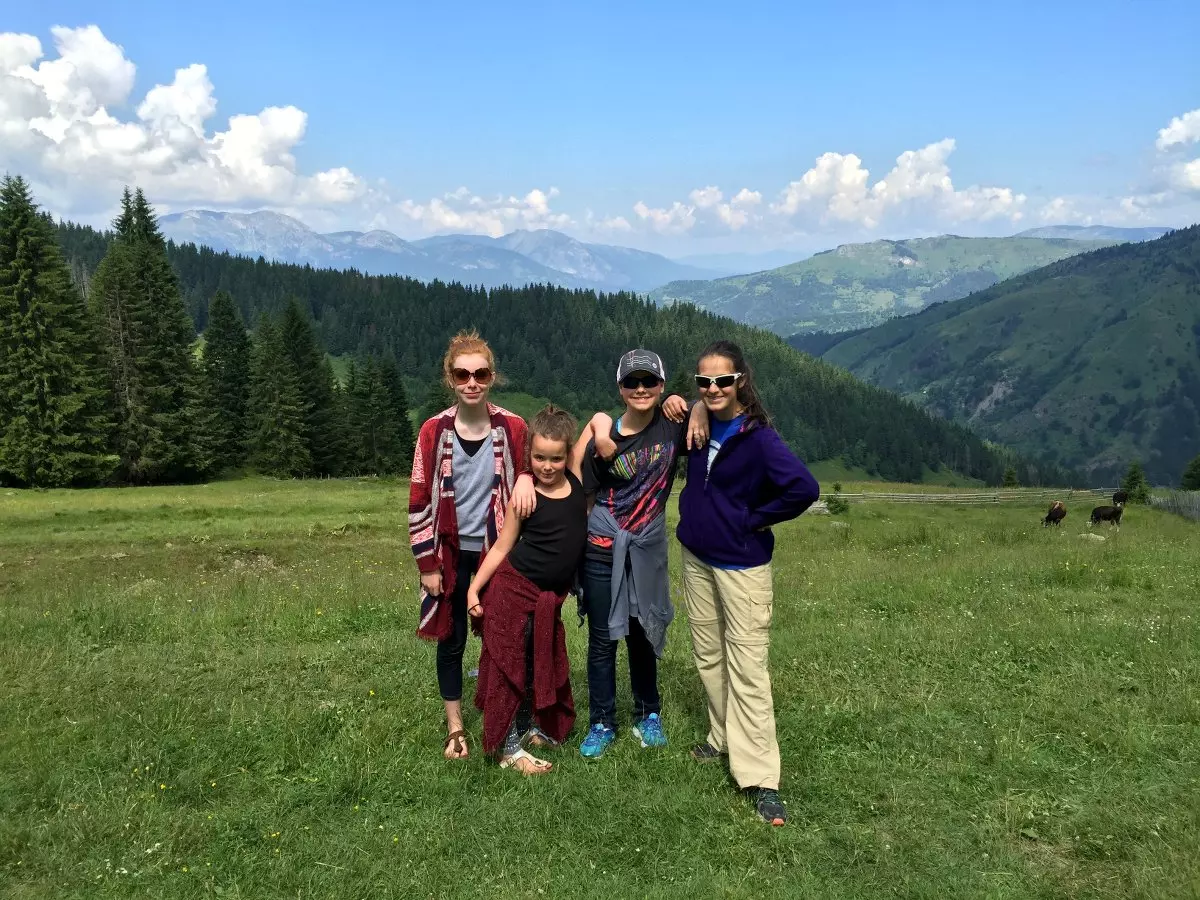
pixel 541 766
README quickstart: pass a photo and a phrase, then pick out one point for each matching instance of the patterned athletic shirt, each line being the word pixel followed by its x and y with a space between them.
pixel 635 486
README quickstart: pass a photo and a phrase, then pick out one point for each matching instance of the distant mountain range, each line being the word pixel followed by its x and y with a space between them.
pixel 518 258
pixel 1095 233
pixel 1091 362
pixel 858 285
pixel 723 264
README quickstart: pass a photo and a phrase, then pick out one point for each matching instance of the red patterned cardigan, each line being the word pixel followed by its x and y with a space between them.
pixel 432 523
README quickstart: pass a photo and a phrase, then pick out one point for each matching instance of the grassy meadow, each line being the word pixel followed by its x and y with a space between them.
pixel 215 691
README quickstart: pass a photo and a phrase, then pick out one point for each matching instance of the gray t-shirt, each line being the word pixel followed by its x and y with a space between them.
pixel 474 473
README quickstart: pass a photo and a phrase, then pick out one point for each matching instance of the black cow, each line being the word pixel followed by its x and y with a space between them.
pixel 1110 514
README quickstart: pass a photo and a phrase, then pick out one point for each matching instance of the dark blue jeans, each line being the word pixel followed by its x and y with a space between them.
pixel 450 651
pixel 602 654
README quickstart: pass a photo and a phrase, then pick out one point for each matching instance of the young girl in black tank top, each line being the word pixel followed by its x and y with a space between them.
pixel 524 687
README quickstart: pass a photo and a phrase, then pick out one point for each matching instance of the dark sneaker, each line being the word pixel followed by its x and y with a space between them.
pixel 650 731
pixel 770 808
pixel 706 752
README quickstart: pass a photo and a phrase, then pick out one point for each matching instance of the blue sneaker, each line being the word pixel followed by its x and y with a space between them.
pixel 650 731
pixel 598 738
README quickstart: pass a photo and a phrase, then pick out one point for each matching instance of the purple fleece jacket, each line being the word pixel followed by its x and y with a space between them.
pixel 755 482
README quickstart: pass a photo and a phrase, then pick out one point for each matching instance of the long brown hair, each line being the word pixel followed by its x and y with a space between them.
pixel 747 393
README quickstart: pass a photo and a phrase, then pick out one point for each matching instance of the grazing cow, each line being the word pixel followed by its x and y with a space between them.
pixel 1057 513
pixel 1109 514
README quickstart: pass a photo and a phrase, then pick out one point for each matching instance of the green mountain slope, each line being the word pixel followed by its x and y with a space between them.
pixel 563 344
pixel 1093 361
pixel 858 285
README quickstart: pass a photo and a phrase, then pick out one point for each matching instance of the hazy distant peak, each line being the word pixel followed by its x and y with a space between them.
pixel 519 257
pixel 1096 233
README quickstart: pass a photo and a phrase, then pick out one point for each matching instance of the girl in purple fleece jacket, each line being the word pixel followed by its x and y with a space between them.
pixel 744 482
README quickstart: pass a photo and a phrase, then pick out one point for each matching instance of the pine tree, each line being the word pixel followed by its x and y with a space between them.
pixel 1191 476
pixel 225 383
pixel 352 424
pixel 1135 485
pixel 277 408
pixel 147 338
pixel 315 378
pixel 1010 478
pixel 440 398
pixel 396 399
pixel 54 422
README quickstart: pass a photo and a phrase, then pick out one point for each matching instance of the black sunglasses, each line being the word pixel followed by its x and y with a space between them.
pixel 633 382
pixel 722 381
pixel 481 376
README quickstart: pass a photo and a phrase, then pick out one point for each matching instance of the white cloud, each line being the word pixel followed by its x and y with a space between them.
pixel 837 191
pixel 919 186
pixel 461 210
pixel 610 224
pixel 1190 173
pixel 1059 210
pixel 1183 129
pixel 1177 178
pixel 707 209
pixel 74 145
pixel 70 122
pixel 58 128
pixel 676 219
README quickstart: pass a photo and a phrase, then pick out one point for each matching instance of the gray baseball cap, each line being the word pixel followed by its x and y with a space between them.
pixel 641 361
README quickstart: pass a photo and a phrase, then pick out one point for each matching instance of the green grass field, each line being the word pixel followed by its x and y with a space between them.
pixel 215 691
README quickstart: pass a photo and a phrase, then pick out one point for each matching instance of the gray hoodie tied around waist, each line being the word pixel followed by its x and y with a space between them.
pixel 642 589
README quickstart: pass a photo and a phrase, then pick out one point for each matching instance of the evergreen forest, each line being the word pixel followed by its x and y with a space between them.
pixel 141 400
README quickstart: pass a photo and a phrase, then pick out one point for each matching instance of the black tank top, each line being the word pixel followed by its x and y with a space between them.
pixel 552 539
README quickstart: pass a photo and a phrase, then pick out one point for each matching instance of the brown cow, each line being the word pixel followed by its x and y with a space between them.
pixel 1058 512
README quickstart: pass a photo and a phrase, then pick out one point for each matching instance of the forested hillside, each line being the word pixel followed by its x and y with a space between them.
pixel 564 344
pixel 1092 361
pixel 858 285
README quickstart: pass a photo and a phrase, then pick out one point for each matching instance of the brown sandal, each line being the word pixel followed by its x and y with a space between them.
pixel 459 739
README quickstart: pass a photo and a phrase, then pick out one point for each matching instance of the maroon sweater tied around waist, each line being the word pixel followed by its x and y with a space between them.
pixel 508 600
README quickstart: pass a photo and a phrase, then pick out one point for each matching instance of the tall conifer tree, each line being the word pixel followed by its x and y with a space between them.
pixel 315 378
pixel 225 382
pixel 54 422
pixel 351 421
pixel 397 402
pixel 147 336
pixel 277 408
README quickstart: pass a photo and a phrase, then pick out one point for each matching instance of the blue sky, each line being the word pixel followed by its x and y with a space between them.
pixel 624 117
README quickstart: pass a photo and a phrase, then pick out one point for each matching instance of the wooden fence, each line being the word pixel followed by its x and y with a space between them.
pixel 1003 495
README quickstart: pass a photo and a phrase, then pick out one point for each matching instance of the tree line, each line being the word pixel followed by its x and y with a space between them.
pixel 551 342
pixel 102 379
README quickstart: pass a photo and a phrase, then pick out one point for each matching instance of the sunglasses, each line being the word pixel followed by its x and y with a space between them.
pixel 704 382
pixel 633 382
pixel 481 376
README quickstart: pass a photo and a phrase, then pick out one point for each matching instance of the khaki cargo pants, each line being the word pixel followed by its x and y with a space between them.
pixel 729 611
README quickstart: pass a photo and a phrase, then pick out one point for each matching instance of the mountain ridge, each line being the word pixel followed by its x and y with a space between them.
pixel 1091 362
pixel 858 285
pixel 520 257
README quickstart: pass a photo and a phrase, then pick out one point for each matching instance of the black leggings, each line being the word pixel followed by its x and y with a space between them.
pixel 450 650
